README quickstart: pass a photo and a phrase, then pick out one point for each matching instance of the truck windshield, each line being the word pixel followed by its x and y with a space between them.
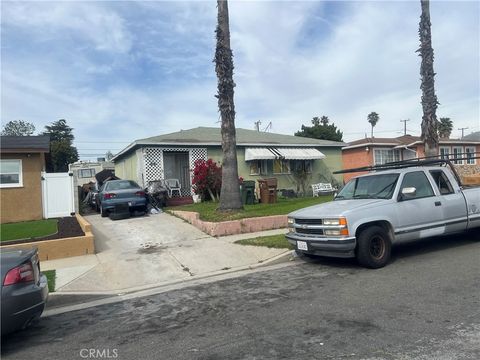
pixel 369 187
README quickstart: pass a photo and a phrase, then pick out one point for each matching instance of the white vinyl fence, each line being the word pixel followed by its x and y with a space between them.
pixel 57 195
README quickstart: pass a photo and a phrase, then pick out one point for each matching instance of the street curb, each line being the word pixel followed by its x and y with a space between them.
pixel 82 300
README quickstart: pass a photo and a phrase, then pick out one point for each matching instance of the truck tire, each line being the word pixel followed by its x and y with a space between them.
pixel 374 247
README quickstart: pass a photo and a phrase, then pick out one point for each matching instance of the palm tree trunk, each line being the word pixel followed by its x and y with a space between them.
pixel 429 99
pixel 230 191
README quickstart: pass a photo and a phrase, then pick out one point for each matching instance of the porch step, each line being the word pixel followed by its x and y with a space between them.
pixel 177 201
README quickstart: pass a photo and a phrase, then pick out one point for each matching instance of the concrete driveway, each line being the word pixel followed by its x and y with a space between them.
pixel 151 250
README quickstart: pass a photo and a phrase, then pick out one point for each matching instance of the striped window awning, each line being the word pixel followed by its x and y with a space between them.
pixel 270 153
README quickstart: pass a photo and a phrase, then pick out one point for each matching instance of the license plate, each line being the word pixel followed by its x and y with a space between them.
pixel 302 245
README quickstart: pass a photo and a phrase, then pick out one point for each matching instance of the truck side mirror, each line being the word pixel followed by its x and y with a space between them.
pixel 408 193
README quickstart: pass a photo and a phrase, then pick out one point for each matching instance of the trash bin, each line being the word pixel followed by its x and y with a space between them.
pixel 268 190
pixel 248 192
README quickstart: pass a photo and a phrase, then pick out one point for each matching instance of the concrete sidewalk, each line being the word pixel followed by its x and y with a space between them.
pixel 155 250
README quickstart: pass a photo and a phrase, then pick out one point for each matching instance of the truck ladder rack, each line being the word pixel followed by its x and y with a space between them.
pixel 423 161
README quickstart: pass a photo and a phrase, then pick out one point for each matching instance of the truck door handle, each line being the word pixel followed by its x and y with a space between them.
pixel 438 203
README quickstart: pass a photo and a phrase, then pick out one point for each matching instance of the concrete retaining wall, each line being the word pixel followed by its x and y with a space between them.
pixel 233 227
pixel 62 248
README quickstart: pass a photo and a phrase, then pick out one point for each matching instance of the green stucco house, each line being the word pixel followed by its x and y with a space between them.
pixel 260 155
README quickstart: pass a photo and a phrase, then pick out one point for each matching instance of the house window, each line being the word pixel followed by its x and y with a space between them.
pixel 11 173
pixel 281 166
pixel 470 155
pixel 457 153
pixel 383 156
pixel 303 166
pixel 258 167
pixel 86 173
pixel 444 152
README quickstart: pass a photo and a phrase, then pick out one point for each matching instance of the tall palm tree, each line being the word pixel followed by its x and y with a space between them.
pixel 429 99
pixel 445 127
pixel 230 190
pixel 373 118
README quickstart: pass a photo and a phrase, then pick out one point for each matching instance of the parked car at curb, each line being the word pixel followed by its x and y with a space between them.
pixel 397 203
pixel 115 192
pixel 24 289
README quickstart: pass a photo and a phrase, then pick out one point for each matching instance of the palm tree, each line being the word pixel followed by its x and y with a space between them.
pixel 445 127
pixel 230 190
pixel 373 118
pixel 429 99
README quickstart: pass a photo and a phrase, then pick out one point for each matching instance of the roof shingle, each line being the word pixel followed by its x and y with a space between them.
pixel 209 135
pixel 39 143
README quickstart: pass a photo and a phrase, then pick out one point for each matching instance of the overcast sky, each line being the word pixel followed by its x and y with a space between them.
pixel 120 71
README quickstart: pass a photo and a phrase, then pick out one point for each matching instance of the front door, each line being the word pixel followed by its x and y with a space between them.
pixel 176 166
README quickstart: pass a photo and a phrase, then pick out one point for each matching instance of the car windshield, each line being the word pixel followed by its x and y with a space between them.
pixel 369 187
pixel 121 185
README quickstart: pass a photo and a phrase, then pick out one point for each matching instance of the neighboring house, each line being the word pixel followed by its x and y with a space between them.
pixel 475 136
pixel 21 164
pixel 259 154
pixel 377 151
pixel 85 171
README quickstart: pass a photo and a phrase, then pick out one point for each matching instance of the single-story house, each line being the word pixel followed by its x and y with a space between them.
pixel 377 151
pixel 259 154
pixel 22 161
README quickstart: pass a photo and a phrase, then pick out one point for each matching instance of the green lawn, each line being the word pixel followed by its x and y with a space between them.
pixel 207 210
pixel 28 229
pixel 274 241
pixel 51 275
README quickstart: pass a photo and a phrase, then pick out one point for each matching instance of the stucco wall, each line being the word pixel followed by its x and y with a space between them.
pixel 24 203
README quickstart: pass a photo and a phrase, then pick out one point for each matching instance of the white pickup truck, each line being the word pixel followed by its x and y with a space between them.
pixel 376 210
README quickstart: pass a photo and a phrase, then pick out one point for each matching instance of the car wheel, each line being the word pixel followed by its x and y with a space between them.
pixel 103 212
pixel 374 247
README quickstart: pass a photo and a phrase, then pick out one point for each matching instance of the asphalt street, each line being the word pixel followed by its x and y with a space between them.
pixel 424 305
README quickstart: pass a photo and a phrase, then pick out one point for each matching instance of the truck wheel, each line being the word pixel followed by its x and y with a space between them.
pixel 103 212
pixel 374 247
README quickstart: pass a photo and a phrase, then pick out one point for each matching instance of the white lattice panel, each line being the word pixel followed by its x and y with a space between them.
pixel 153 163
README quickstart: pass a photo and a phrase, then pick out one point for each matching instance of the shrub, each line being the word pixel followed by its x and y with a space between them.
pixel 207 179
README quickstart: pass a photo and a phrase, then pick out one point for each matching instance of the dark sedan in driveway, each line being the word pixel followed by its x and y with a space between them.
pixel 117 192
pixel 24 289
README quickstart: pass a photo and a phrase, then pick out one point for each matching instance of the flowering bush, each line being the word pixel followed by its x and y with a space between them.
pixel 207 179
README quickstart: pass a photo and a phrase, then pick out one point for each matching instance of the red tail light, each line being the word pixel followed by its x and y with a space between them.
pixel 140 193
pixel 109 195
pixel 22 273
